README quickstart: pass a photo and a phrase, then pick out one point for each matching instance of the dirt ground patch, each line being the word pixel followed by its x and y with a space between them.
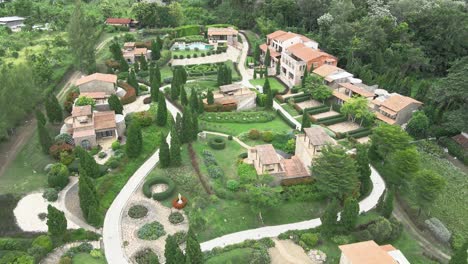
pixel 325 114
pixel 344 127
pixel 308 104
pixel 286 252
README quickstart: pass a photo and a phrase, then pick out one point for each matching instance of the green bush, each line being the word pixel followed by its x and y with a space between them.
pixel 116 145
pixel 238 117
pixel 310 239
pixel 57 177
pixel 43 241
pixel 151 231
pixel 254 134
pixel 176 218
pixel 217 143
pixel 454 149
pixel 342 240
pixel 232 185
pixel 14 244
pixel 247 173
pixel 267 136
pixel 50 194
pixel 215 172
pixel 158 180
pixel 146 256
pixel 102 155
pixel 229 137
pixel 80 234
pixel 144 118
pixel 208 158
pixel 137 211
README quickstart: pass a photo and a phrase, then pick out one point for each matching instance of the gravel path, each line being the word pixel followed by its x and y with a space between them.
pixel 286 252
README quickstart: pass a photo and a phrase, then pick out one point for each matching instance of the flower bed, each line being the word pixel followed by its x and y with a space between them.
pixel 217 143
pixel 151 231
pixel 238 117
pixel 158 180
pixel 176 218
pixel 177 205
pixel 146 256
pixel 137 211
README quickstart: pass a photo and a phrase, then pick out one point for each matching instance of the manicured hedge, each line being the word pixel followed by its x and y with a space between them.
pixel 321 109
pixel 238 117
pixel 333 121
pixel 187 30
pixel 217 143
pixel 361 134
pixel 158 180
pixel 202 69
pixel 130 96
pixel 285 119
pixel 329 118
pixel 302 99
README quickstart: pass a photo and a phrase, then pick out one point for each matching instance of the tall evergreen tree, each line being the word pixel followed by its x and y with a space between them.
pixel 175 84
pixel 304 77
pixel 388 204
pixel 136 66
pixel 201 105
pixel 210 97
pixel 176 158
pixel 178 126
pixel 221 75
pixel 44 137
pixel 115 104
pixel 40 117
pixel 187 126
pixel 82 39
pixel 256 53
pixel 305 120
pixel 362 162
pixel 155 84
pixel 266 86
pixel 161 114
pixel 267 60
pixel 350 214
pixel 193 100
pixel 123 65
pixel 193 253
pixel 155 50
pixel 87 195
pixel 143 63
pixel 164 153
pixel 157 73
pixel 330 218
pixel 56 222
pixel 89 165
pixel 132 81
pixel 194 125
pixel 183 96
pixel 160 42
pixel 53 109
pixel 134 144
pixel 172 251
pixel 183 75
pixel 269 100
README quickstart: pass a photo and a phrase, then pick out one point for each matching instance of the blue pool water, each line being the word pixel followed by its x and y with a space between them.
pixel 191 46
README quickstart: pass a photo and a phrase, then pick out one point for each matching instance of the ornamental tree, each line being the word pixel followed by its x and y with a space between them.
pixel 350 214
pixel 161 114
pixel 210 97
pixel 155 50
pixel 175 157
pixel 87 163
pixel 183 96
pixel 404 164
pixel 193 99
pixel 428 186
pixel 56 222
pixel 387 139
pixel 357 108
pixel 329 218
pixel 115 104
pixel 193 253
pixel 262 197
pixel 172 251
pixel 363 168
pixel 134 144
pixel 164 153
pixel 40 117
pixel 305 121
pixel 266 86
pixel 418 125
pixel 267 59
pixel 53 109
pixel 44 137
pixel 155 84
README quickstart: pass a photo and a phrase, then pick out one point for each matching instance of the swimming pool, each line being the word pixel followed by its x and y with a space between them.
pixel 191 46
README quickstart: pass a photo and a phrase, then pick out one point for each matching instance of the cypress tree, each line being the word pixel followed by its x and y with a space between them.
pixel 159 41
pixel 350 214
pixel 157 73
pixel 89 165
pixel 193 99
pixel 155 84
pixel 269 100
pixel 266 86
pixel 380 202
pixel 172 252
pixel 183 75
pixel 175 84
pixel 44 137
pixel 362 161
pixel 134 144
pixel 143 63
pixel 87 195
pixel 210 97
pixel 201 106
pixel 305 120
pixel 94 215
pixel 221 77
pixel 56 222
pixel 187 126
pixel 164 153
pixel 176 159
pixel 53 109
pixel 194 125
pixel 155 50
pixel 40 117
pixel 193 253
pixel 228 75
pixel 132 81
pixel 329 218
pixel 267 60
pixel 256 54
pixel 115 104
pixel 136 66
pixel 304 77
pixel 123 65
pixel 161 114
pixel 387 208
pixel 178 126
pixel 183 96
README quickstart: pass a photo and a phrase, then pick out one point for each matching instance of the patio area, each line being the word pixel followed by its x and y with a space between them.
pixel 308 104
pixel 326 114
pixel 344 127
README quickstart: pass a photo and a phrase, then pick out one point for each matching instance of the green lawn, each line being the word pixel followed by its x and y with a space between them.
pixel 201 86
pixel 238 255
pixel 85 258
pixel 291 110
pixel 166 72
pixel 26 173
pixel 276 125
pixel 274 83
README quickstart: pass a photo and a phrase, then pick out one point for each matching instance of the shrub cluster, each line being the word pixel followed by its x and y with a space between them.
pixel 238 117
pixel 158 180
pixel 176 218
pixel 50 194
pixel 215 172
pixel 151 231
pixel 137 211
pixel 208 158
pixel 217 143
pixel 146 256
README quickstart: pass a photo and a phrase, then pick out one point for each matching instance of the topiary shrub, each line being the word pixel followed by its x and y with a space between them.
pixel 310 239
pixel 180 237
pixel 208 158
pixel 137 211
pixel 42 216
pixel 254 134
pixel 232 185
pixel 102 155
pixel 50 194
pixel 176 218
pixel 158 180
pixel 151 231
pixel 43 241
pixel 217 143
pixel 267 136
pixel 116 145
pixel 147 100
pixel 146 256
pixel 229 137
pixel 215 171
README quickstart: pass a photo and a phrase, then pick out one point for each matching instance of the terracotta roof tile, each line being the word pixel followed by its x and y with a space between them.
pixel 288 35
pixel 273 52
pixel 397 102
pixel 356 89
pixel 104 120
pixel 122 21
pixel 294 168
pixel 276 34
pixel 94 95
pixel 84 133
pixel 367 252
pixel 307 53
pixel 84 110
pixel 341 96
pixel 388 247
pixel 267 154
pixel 386 119
pixel 318 136
pixel 326 70
pixel 111 78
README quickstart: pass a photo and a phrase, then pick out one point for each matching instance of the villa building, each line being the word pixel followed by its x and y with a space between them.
pixel 266 160
pixel 295 53
pixel 15 23
pixel 131 53
pixel 394 108
pixel 309 144
pixel 345 91
pixel 121 22
pixel 222 35
pixel 98 83
pixel 368 252
pixel 333 75
pixel 89 128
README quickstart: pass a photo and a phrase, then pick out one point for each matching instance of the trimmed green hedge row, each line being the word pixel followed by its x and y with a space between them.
pixel 158 180
pixel 285 119
pixel 302 99
pixel 359 130
pixel 329 118
pixel 238 117
pixel 333 121
pixel 217 143
pixel 361 134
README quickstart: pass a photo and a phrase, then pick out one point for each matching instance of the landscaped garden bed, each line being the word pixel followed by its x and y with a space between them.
pixel 238 117
pixel 137 211
pixel 151 231
pixel 158 195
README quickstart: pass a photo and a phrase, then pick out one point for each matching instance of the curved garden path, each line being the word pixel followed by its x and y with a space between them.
pixel 54 256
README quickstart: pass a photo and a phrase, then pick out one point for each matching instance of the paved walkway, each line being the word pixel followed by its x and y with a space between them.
pixel 246 75
pixel 54 256
pixel 273 231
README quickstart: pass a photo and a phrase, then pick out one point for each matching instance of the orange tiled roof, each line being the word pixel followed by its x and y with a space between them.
pixel 94 95
pixel 397 102
pixel 318 136
pixel 294 168
pixel 104 120
pixel 267 154
pixel 306 53
pixel 286 36
pixel 84 110
pixel 367 252
pixel 84 133
pixel 276 34
pixel 111 78
pixel 326 70
pixel 273 52
pixel 341 96
pixel 121 21
pixel 386 119
pixel 356 89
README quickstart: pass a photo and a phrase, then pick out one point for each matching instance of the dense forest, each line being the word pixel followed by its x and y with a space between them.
pixel 414 47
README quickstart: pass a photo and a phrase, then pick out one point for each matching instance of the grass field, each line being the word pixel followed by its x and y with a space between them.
pixel 85 258
pixel 274 83
pixel 238 255
pixel 276 125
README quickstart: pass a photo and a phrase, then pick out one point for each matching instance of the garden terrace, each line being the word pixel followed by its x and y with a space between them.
pixel 275 85
pixel 238 117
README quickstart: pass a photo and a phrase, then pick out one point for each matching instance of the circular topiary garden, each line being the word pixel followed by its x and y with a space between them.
pixel 160 195
pixel 137 211
pixel 176 218
pixel 217 143
pixel 151 231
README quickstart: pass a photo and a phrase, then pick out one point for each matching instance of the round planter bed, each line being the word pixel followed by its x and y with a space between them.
pixel 177 205
pixel 217 143
pixel 161 195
